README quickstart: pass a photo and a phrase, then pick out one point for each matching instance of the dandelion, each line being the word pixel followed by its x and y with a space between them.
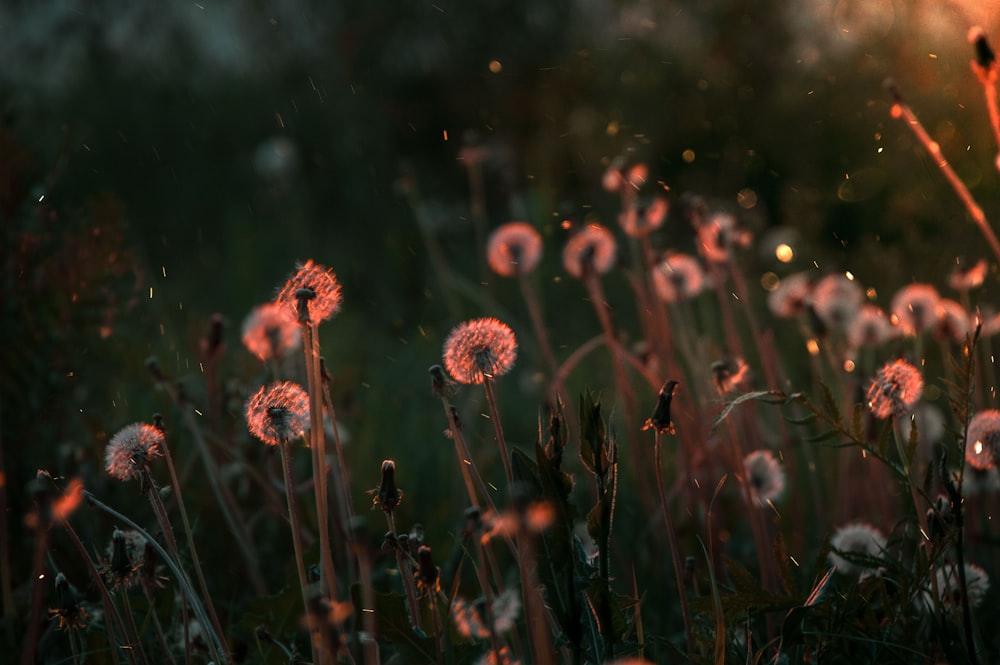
pixel 480 349
pixel 661 421
pixel 836 300
pixel 71 613
pixel 719 235
pixel 859 539
pixel 270 331
pixel 914 308
pixel 278 413
pixel 501 657
pixel 952 321
pixel 678 277
pixel 982 445
pixel 790 298
pixel 387 495
pixel 313 286
pixel 989 319
pixel 930 423
pixel 728 375
pixel 641 219
pixel 620 175
pixel 977 481
pixel 592 248
pixel 765 476
pixel 895 389
pixel 471 620
pixel 132 449
pixel 871 327
pixel 949 587
pixel 966 280
pixel 514 249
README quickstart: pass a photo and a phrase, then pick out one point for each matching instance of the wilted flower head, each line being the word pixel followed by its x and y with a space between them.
pixel 315 287
pixel 836 300
pixel 514 249
pixel 643 217
pixel 478 349
pixel 592 246
pixel 71 614
pixel 620 175
pixel 428 575
pixel 131 450
pixel 914 308
pixel 719 235
pixel 895 389
pixel 966 280
pixel 951 321
pixel 661 420
pixel 791 296
pixel 949 587
pixel 728 375
pixel 471 620
pixel 270 331
pixel 278 413
pixel 765 476
pixel 856 538
pixel 982 445
pixel 870 327
pixel 678 277
pixel 122 564
pixel 387 495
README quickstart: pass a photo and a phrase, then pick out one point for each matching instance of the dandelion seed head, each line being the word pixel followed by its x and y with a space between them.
pixel 718 236
pixel 856 538
pixel 514 249
pixel 315 284
pixel 678 277
pixel 270 331
pixel 914 308
pixel 790 297
pixel 895 389
pixel 949 587
pixel 765 476
pixel 871 327
pixel 952 321
pixel 836 300
pixel 278 412
pixel 966 280
pixel 593 246
pixel 132 449
pixel 982 447
pixel 478 349
pixel 642 218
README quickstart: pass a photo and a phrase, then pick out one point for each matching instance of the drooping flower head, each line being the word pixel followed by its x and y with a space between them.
pixel 478 349
pixel 643 217
pixel 719 235
pixel 913 308
pixel 966 280
pixel 132 449
pixel 678 277
pixel 790 297
pixel 278 413
pixel 895 389
pixel 952 321
pixel 765 476
pixel 592 246
pixel 982 445
pixel 514 249
pixel 836 300
pixel 870 327
pixel 270 331
pixel 316 287
pixel 855 538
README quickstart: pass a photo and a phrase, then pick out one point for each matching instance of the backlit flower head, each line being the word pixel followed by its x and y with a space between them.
pixel 643 217
pixel 478 349
pixel 949 587
pixel 278 412
pixel 930 422
pixel 471 620
pixel 914 308
pixel 871 327
pixel 982 445
pixel 718 236
pixel 593 246
pixel 270 331
pixel 856 538
pixel 765 476
pixel 966 280
pixel 952 322
pixel 132 449
pixel 514 249
pixel 620 175
pixel 836 300
pixel 895 389
pixel 790 297
pixel 728 375
pixel 678 277
pixel 316 287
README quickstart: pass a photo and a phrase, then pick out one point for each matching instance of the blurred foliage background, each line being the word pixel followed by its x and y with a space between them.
pixel 161 163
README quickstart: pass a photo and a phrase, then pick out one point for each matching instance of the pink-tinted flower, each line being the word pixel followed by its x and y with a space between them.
pixel 966 280
pixel 718 236
pixel 641 219
pixel 678 277
pixel 278 413
pixel 790 297
pixel 270 331
pixel 952 322
pixel 765 476
pixel 514 249
pixel 592 247
pixel 132 449
pixel 914 308
pixel 836 300
pixel 871 327
pixel 982 446
pixel 314 285
pixel 895 389
pixel 856 538
pixel 478 349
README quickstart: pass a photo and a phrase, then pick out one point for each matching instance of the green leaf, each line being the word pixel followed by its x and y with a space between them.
pixel 830 402
pixel 747 397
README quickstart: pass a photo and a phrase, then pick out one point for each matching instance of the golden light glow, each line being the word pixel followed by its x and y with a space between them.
pixel 848 365
pixel 813 347
pixel 688 156
pixel 495 66
pixel 784 253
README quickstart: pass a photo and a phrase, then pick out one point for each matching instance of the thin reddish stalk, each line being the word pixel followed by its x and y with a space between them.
pixel 672 540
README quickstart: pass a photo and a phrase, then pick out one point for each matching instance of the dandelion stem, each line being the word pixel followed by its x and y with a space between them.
pixel 488 595
pixel 130 622
pixel 672 540
pixel 405 574
pixel 344 488
pixel 498 428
